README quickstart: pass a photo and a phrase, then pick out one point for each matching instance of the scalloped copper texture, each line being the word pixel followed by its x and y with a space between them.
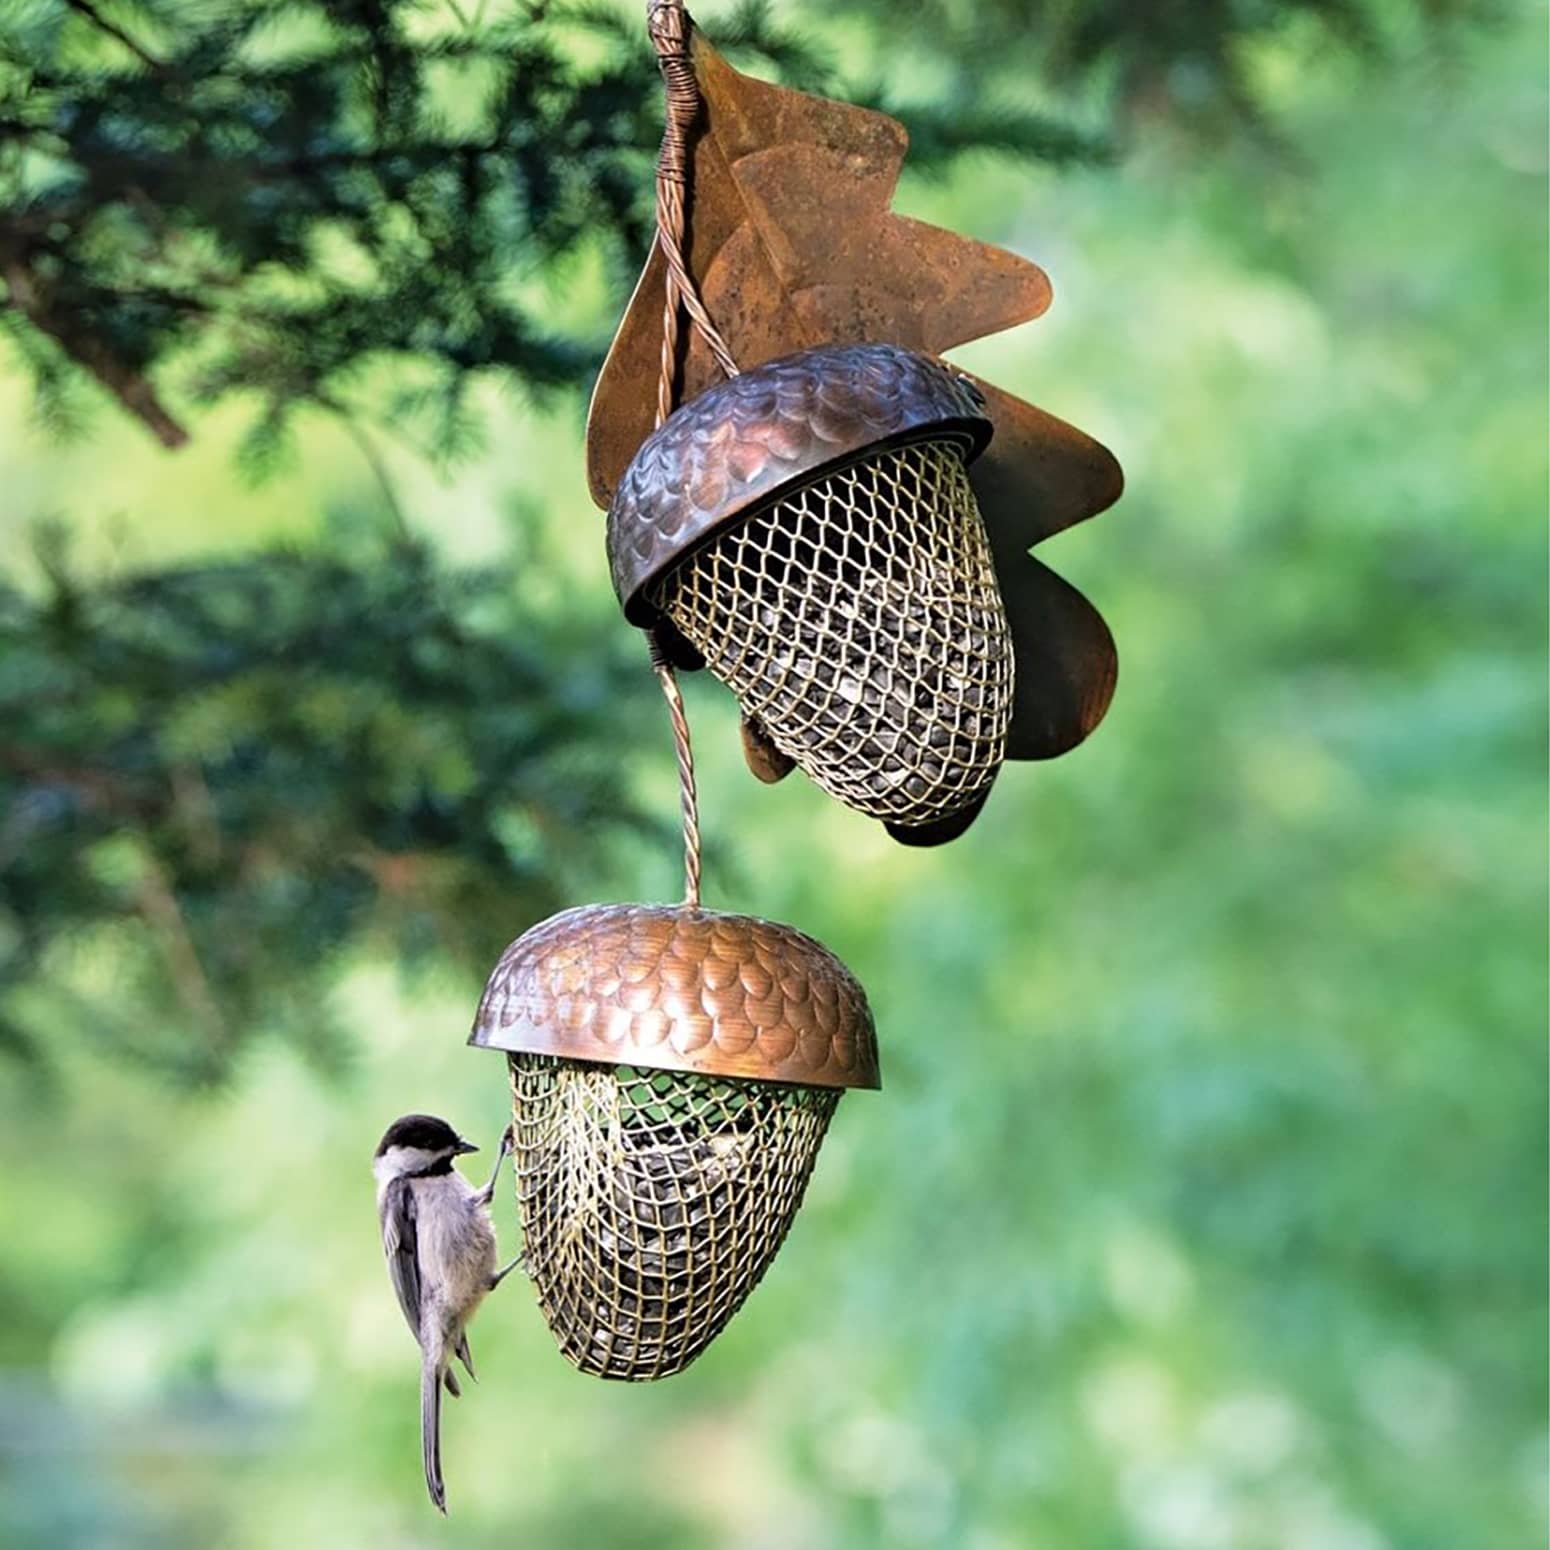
pixel 679 989
pixel 740 444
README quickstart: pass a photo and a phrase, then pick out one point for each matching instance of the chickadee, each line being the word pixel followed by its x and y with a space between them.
pixel 440 1250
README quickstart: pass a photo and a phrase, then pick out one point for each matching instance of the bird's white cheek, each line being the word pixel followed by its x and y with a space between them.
pixel 399 1160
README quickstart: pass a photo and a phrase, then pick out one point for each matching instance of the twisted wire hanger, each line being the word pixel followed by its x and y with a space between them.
pixel 669 27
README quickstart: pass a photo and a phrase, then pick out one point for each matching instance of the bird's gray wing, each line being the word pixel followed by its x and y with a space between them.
pixel 401 1244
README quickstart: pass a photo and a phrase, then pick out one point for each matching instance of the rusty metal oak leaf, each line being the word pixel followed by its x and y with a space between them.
pixel 792 243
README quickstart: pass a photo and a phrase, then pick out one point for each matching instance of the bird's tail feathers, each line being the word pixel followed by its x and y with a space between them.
pixel 430 1431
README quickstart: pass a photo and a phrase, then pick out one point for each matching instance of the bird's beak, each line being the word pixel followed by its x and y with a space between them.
pixel 463 1146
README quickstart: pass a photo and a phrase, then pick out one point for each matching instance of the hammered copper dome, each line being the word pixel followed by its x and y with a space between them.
pixel 673 1073
pixel 681 989
pixel 748 439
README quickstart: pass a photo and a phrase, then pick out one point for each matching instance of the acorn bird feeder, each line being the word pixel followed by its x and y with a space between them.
pixel 836 522
pixel 808 530
pixel 673 1071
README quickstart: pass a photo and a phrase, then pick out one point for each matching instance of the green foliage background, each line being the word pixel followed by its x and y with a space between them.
pixel 1203 1205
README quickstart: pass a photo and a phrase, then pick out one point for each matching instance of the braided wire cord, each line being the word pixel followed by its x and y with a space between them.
pixel 668 24
pixel 688 793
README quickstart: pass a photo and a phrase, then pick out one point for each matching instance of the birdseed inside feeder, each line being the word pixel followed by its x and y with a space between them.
pixel 673 1072
pixel 807 530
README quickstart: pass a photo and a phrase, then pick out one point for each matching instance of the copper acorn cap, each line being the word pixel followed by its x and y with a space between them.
pixel 740 443
pixel 681 989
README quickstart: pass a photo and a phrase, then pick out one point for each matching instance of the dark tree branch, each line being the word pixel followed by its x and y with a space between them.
pixel 131 387
pixel 113 30
pixel 374 461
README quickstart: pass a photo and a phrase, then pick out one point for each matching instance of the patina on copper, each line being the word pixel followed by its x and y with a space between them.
pixel 680 989
pixel 792 245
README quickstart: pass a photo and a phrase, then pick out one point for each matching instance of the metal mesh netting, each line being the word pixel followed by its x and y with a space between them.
pixel 858 620
pixel 652 1201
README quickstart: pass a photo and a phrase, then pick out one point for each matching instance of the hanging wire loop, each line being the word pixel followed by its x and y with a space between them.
pixel 669 26
pixel 688 795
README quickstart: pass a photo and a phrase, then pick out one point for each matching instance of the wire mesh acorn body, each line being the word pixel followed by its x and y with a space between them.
pixel 809 532
pixel 673 1072
pixel 686 1185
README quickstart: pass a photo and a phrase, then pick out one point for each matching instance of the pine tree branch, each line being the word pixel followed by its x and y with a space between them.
pixel 113 30
pixel 158 904
pixel 131 387
pixel 374 460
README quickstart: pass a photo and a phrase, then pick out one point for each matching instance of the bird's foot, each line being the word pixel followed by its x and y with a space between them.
pixel 519 1263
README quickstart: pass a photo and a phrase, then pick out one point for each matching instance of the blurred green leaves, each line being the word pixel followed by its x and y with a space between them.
pixel 276 200
pixel 272 198
pixel 218 781
pixel 1200 65
pixel 1203 1206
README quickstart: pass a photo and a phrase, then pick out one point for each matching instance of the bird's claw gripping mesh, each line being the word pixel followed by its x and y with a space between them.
pixel 859 621
pixel 652 1201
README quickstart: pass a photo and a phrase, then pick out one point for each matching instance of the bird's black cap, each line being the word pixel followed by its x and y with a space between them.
pixel 425 1132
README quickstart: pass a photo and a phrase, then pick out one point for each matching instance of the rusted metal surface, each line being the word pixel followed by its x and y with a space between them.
pixel 667 987
pixel 793 245
pixel 1039 475
pixel 763 758
pixel 745 440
